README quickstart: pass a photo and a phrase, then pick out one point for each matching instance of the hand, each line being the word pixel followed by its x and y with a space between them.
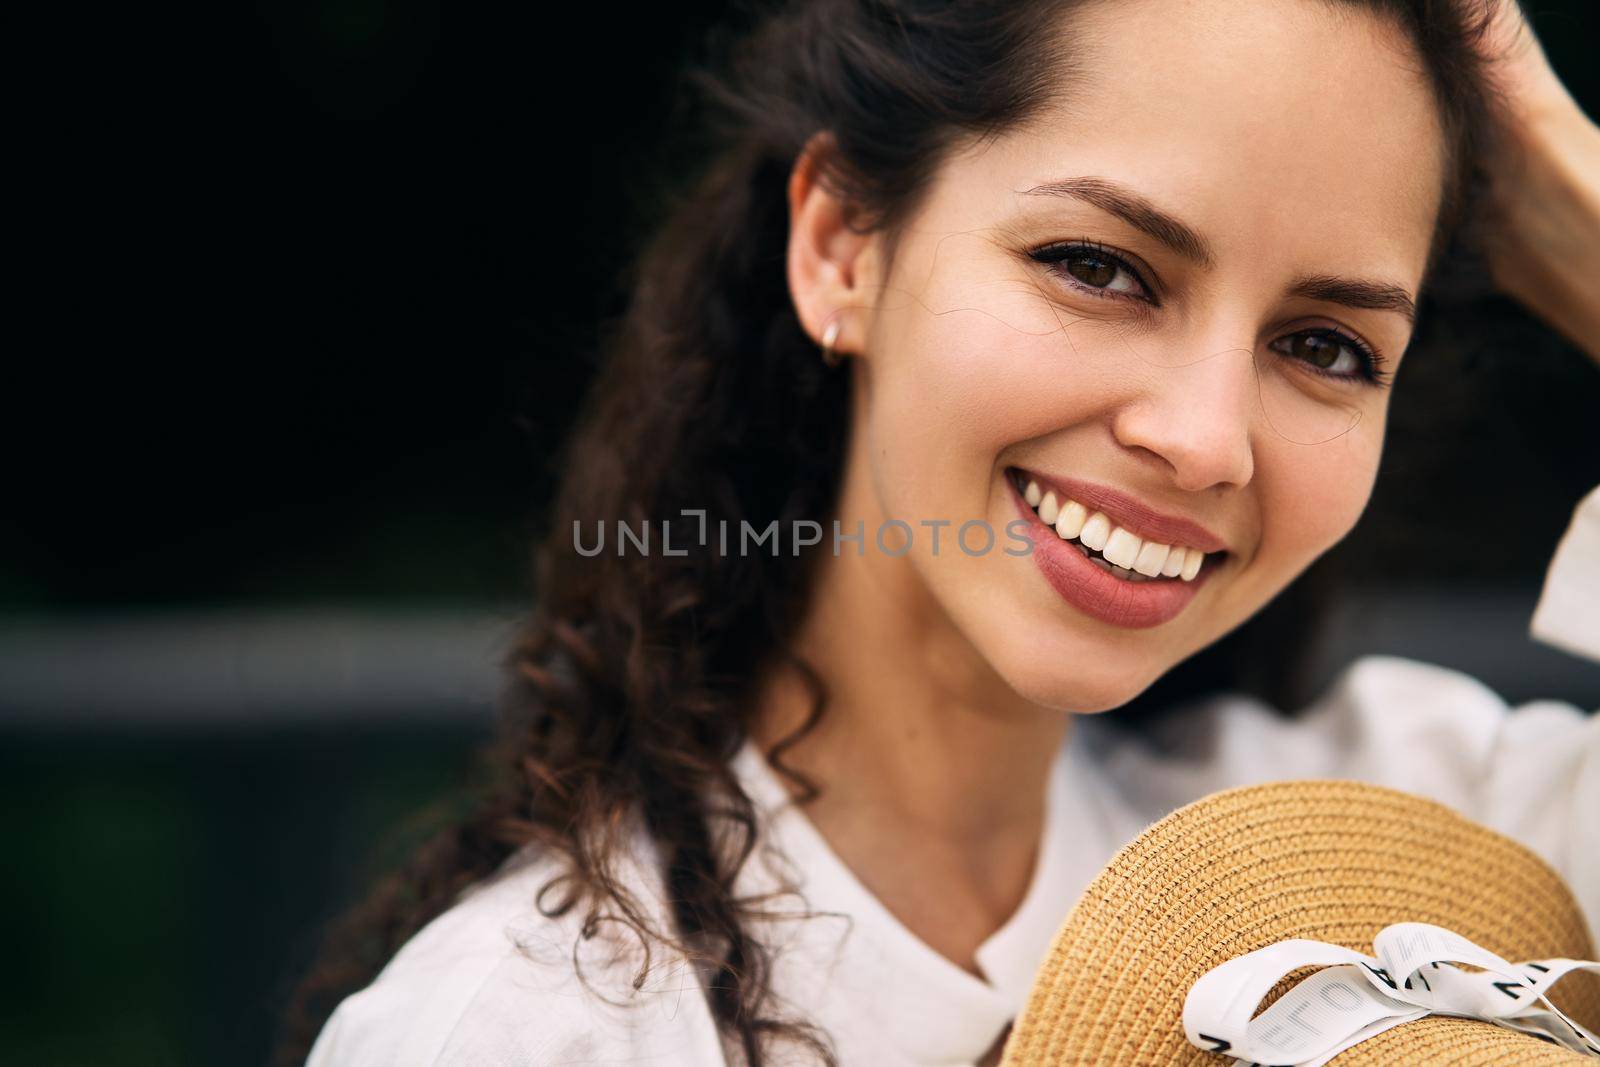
pixel 1545 187
pixel 1520 68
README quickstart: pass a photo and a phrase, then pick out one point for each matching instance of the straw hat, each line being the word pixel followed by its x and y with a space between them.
pixel 1329 861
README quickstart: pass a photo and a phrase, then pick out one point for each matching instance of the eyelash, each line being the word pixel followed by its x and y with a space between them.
pixel 1372 364
pixel 1052 255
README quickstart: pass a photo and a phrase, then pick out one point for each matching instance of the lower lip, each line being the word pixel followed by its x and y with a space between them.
pixel 1099 595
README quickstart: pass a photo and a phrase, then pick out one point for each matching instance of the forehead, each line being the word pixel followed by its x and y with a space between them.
pixel 1282 125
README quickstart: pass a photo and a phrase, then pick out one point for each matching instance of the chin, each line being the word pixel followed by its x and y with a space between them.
pixel 1070 677
pixel 1085 696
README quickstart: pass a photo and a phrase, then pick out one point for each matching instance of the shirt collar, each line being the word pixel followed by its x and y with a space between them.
pixel 868 975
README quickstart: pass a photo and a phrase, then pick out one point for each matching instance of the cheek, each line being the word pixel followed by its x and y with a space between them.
pixel 949 393
pixel 1311 496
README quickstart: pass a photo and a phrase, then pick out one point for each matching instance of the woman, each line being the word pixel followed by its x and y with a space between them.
pixel 1055 339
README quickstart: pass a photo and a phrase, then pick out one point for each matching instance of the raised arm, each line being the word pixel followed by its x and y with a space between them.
pixel 1546 189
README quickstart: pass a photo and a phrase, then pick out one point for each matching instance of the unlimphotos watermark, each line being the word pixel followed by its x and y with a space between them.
pixel 894 537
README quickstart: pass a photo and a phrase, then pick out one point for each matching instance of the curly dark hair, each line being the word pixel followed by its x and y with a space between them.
pixel 630 687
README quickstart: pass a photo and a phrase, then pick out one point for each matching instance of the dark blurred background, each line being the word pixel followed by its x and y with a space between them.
pixel 321 284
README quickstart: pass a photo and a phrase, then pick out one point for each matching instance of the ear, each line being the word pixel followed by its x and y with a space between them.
pixel 832 267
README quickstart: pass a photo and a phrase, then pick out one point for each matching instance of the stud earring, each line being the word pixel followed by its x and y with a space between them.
pixel 830 336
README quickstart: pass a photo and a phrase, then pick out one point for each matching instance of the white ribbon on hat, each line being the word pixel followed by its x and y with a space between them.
pixel 1354 997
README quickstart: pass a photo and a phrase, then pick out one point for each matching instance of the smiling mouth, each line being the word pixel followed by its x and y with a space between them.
pixel 1113 549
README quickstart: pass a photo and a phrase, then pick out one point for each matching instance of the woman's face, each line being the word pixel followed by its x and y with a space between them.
pixel 1158 300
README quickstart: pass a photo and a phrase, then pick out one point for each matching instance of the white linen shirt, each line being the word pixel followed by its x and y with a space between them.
pixel 492 982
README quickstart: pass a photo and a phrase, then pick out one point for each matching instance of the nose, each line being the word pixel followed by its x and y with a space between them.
pixel 1195 420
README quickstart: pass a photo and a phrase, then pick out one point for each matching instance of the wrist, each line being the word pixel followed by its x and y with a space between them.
pixel 1561 145
pixel 1546 247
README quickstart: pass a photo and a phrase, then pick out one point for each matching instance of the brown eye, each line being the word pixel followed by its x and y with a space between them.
pixel 1329 353
pixel 1092 270
pixel 1316 350
pixel 1085 266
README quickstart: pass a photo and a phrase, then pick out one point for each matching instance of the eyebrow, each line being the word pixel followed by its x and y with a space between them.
pixel 1142 215
pixel 1381 296
pixel 1136 211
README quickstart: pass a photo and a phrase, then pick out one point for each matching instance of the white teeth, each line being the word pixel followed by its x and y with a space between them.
pixel 1095 531
pixel 1122 548
pixel 1126 555
pixel 1191 565
pixel 1152 557
pixel 1069 523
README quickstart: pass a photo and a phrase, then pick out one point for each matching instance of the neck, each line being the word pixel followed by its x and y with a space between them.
pixel 918 731
pixel 932 772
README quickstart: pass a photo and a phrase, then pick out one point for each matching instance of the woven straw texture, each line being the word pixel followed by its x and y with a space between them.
pixel 1334 861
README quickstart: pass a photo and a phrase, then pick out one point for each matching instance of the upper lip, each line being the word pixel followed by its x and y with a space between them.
pixel 1132 514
